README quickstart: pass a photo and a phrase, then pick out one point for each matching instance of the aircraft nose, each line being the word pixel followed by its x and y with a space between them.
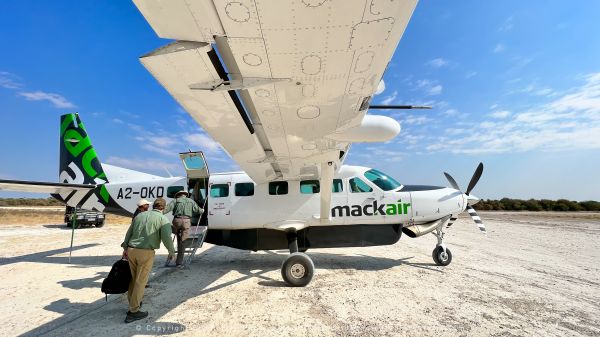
pixel 472 200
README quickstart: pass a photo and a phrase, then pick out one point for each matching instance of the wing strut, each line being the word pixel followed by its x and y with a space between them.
pixel 326 184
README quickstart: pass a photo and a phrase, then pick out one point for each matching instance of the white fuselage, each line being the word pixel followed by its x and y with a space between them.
pixel 236 202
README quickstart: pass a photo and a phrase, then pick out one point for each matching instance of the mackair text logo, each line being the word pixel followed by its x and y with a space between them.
pixel 79 146
pixel 371 209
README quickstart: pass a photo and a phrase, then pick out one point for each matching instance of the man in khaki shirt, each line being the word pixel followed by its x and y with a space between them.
pixel 144 235
pixel 183 209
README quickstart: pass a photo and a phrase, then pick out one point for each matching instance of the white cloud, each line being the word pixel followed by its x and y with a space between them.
pixel 470 74
pixel 384 153
pixel 380 87
pixel 117 121
pixel 534 89
pixel 169 144
pixel 429 87
pixel 389 99
pixel 451 112
pixel 435 90
pixel 202 142
pixel 57 100
pixel 144 164
pixel 569 122
pixel 543 92
pixel 9 81
pixel 437 62
pixel 507 25
pixel 416 120
pixel 499 48
pixel 500 114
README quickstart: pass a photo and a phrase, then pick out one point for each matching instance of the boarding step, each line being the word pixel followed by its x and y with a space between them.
pixel 197 234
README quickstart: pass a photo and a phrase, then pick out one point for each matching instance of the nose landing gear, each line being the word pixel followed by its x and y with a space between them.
pixel 442 256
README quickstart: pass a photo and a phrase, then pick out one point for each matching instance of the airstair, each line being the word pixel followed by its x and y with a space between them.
pixel 195 241
pixel 197 172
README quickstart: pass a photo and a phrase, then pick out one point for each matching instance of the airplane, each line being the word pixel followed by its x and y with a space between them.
pixel 284 87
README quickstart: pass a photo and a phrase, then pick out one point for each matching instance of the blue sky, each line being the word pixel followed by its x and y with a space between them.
pixel 514 84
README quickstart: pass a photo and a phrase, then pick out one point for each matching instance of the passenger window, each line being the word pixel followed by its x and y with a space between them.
pixel 278 187
pixel 172 190
pixel 359 186
pixel 244 189
pixel 338 186
pixel 219 191
pixel 309 186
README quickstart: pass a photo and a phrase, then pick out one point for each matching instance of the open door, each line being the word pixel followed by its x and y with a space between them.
pixel 197 173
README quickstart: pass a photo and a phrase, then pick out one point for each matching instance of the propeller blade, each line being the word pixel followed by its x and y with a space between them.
pixel 452 220
pixel 452 181
pixel 476 218
pixel 475 178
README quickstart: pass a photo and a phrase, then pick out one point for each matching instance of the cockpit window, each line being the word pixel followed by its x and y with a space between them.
pixel 382 180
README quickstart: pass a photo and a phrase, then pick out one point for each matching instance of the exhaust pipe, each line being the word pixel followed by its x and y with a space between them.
pixel 414 231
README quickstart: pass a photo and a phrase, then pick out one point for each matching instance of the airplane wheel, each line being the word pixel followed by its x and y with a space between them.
pixel 440 258
pixel 297 270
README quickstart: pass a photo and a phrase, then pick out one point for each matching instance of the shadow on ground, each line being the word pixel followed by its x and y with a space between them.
pixel 207 268
pixel 49 256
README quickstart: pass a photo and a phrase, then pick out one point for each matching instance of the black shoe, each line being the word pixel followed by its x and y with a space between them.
pixel 134 316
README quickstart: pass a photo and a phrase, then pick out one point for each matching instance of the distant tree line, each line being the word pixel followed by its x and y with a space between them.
pixel 505 204
pixel 30 202
pixel 560 205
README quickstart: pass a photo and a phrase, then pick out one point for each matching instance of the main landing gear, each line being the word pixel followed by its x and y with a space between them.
pixel 297 269
pixel 442 256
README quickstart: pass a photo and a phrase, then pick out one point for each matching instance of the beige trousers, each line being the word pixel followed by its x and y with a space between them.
pixel 140 264
pixel 181 228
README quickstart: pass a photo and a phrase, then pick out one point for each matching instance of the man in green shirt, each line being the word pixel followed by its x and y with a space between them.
pixel 144 235
pixel 183 209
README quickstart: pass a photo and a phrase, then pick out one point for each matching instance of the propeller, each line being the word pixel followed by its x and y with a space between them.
pixel 469 208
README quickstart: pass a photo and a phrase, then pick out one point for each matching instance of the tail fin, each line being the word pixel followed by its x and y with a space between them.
pixel 79 163
pixel 77 154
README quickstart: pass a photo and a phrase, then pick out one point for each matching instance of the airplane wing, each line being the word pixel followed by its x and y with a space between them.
pixel 43 187
pixel 283 86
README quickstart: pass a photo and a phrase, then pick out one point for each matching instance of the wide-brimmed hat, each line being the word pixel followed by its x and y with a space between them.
pixel 182 192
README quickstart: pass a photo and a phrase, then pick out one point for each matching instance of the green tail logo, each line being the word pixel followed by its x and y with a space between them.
pixel 79 164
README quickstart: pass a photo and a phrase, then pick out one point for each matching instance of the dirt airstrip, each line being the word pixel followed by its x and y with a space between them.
pixel 533 274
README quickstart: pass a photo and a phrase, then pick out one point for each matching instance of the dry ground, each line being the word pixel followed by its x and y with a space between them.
pixel 534 274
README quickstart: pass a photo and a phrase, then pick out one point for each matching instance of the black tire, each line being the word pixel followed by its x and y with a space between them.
pixel 440 258
pixel 99 224
pixel 297 270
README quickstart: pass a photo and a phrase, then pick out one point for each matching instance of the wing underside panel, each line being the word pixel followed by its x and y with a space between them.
pixel 302 71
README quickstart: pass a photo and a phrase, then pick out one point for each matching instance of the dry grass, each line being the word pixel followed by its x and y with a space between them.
pixel 46 215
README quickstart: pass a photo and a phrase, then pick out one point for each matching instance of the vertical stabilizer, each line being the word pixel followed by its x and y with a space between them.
pixel 79 164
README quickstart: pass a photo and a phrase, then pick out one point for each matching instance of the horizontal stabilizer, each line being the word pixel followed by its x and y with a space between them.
pixel 42 187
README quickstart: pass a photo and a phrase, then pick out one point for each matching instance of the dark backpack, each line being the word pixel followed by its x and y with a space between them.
pixel 117 281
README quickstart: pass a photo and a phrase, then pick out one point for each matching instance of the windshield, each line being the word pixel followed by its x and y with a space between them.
pixel 382 180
